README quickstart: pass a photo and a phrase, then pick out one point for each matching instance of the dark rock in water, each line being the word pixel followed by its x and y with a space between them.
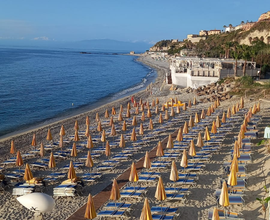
pixel 85 53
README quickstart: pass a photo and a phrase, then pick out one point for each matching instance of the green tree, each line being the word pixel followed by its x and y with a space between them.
pixel 245 55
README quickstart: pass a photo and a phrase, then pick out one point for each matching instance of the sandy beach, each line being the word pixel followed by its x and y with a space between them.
pixel 201 194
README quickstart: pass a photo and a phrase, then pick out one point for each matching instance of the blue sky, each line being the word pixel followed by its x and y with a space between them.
pixel 124 20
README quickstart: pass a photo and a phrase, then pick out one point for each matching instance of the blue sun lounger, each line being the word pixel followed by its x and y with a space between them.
pixel 162 217
pixel 111 213
pixel 136 188
pixel 234 199
pixel 131 193
pixel 176 190
pixel 147 178
pixel 175 196
pixel 231 192
pixel 157 209
pixel 229 215
pixel 117 205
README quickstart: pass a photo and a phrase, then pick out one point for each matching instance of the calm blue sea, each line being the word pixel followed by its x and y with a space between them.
pixel 38 85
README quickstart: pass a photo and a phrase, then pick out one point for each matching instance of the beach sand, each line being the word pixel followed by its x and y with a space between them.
pixel 201 196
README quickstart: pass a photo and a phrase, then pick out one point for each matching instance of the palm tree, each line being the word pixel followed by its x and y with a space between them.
pixel 245 55
pixel 236 56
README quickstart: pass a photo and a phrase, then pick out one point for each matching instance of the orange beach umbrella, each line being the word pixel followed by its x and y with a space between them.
pixel 133 136
pixel 12 147
pixel 170 142
pixel 115 192
pixel 122 142
pixel 146 211
pixel 151 127
pixel 89 142
pixel 160 191
pixel 185 128
pixel 62 131
pixel 174 173
pixel 184 161
pixel 76 136
pixel 76 126
pixel 49 135
pixel 124 127
pixel 133 176
pixel 179 136
pixel 147 162
pixel 87 121
pixel 89 162
pixel 159 152
pixel 224 196
pixel 74 150
pixel 215 214
pixel 19 160
pixel 87 131
pixel 71 171
pixel 41 151
pixel 199 140
pixel 51 161
pixel 27 173
pixel 106 115
pixel 192 151
pixel 34 142
pixel 90 211
pixel 108 149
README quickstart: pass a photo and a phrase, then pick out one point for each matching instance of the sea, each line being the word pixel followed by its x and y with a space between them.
pixel 39 86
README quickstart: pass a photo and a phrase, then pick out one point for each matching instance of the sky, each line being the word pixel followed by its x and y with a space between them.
pixel 124 20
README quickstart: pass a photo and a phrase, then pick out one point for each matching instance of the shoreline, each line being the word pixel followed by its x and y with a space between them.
pixel 23 137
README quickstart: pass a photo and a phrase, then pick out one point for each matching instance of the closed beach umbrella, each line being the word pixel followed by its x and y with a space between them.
pixel 140 102
pixel 233 110
pixel 120 117
pixel 147 105
pixel 223 120
pixel 27 173
pixel 234 163
pixel 149 115
pixel 142 107
pixel 128 113
pixel 137 110
pixel 207 134
pixel 74 150
pixel 179 136
pixel 71 171
pixel 143 116
pixel 19 160
pixel 218 124
pixel 241 102
pixel 163 108
pixel 111 121
pixel 215 214
pixel 133 136
pixel 103 136
pixel 202 114
pixel 189 103
pixel 97 117
pixel 166 115
pixel 99 127
pixel 185 128
pixel 192 151
pixel 194 101
pixel 214 128
pixel 89 142
pixel 208 113
pixel 87 131
pixel 197 119
pixel 156 111
pixel 254 109
pixel 134 121
pixel 160 120
pixel 76 125
pixel 34 142
pixel 157 101
pixel 124 127
pixel 159 152
pixel 184 160
pixel 170 142
pixel 90 211
pixel 224 196
pixel 62 131
pixel 191 122
pixel 87 121
pixel 258 107
pixel 141 129
pixel 147 162
pixel 228 113
pixel 121 108
pixel 218 103
pixel 128 106
pixel 151 127
pixel 133 176
pixel 49 135
pixel 113 131
pixel 178 109
pixel 236 149
pixel 122 142
pixel 153 103
pixel 237 107
pixel 106 115
pixel 41 151
pixel 76 136
pixel 115 192
pixel 146 211
pixel 61 142
pixel 12 147
pixel 160 191
pixel 212 108
pixel 113 111
pixel 232 179
pixel 199 140
pixel 89 162
pixel 52 161
pixel 174 173
pixel 172 112
pixel 108 149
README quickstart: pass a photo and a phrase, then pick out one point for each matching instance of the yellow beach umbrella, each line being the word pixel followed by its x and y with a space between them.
pixel 218 103
pixel 12 147
pixel 170 142
pixel 197 119
pixel 76 136
pixel 179 136
pixel 49 135
pixel 160 191
pixel 223 120
pixel 254 109
pixel 99 127
pixel 87 131
pixel 34 142
pixel 143 116
pixel 234 163
pixel 233 110
pixel 172 112
pixel 133 176
pixel 206 134
pixel 184 106
pixel 237 107
pixel 199 140
pixel 208 113
pixel 108 149
pixel 218 123
pixel 184 160
pixel 147 162
pixel 215 214
pixel 87 121
pixel 133 136
pixel 159 152
pixel 166 115
pixel 71 171
pixel 232 179
pixel 178 109
pixel 157 101
pixel 62 131
pixel 258 107
pixel 134 121
pixel 151 127
pixel 202 114
pixel 160 120
pixel 124 127
pixel 185 128
pixel 121 108
pixel 115 192
pixel 163 108
pixel 224 196
pixel 74 150
pixel 111 121
pixel 113 131
pixel 149 115
pixel 192 151
pixel 156 110
pixel 19 160
pixel 189 103
pixel 122 142
pixel 106 115
pixel 103 136
pixel 90 211
pixel 194 101
pixel 128 113
pixel 120 117
pixel 236 149
pixel 242 102
pixel 212 108
pixel 214 128
pixel 174 173
pixel 113 111
pixel 191 122
pixel 141 129
pixel 89 142
pixel 52 161
pixel 41 151
pixel 215 104
pixel 89 162
pixel 61 142
pixel 76 126
pixel 228 113
pixel 146 211
pixel 27 173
